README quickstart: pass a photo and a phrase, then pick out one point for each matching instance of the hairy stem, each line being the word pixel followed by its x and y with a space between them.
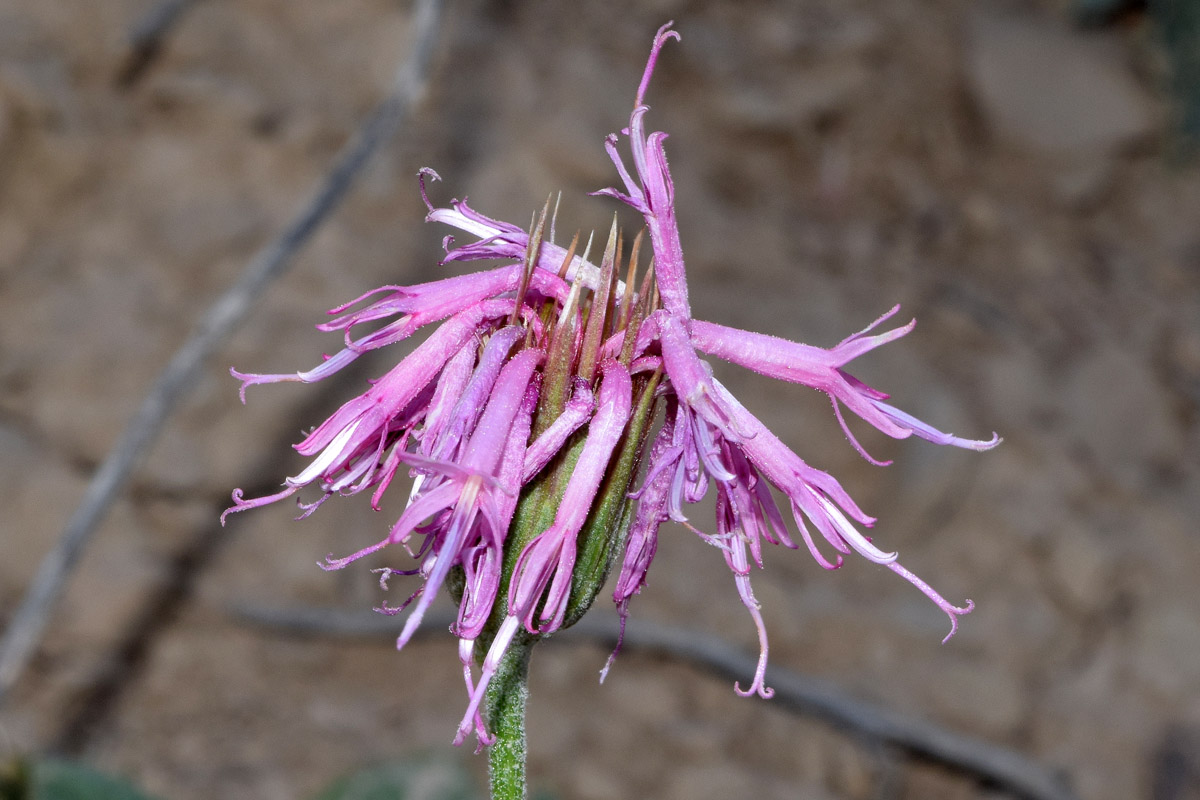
pixel 506 698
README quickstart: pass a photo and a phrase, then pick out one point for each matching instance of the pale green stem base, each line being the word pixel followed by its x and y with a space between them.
pixel 506 697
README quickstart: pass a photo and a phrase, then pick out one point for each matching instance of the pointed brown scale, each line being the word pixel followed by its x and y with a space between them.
pixel 526 270
pixel 531 254
pixel 640 312
pixel 556 375
pixel 554 214
pixel 594 333
pixel 655 301
pixel 610 308
pixel 622 321
pixel 648 284
pixel 630 277
pixel 547 310
pixel 587 251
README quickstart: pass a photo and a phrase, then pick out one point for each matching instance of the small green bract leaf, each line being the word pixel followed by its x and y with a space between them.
pixel 53 779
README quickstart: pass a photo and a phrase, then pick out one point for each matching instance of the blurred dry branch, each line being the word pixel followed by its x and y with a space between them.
pixel 892 730
pixel 146 35
pixel 222 318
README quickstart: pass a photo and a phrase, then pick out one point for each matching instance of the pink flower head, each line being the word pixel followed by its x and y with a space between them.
pixel 522 420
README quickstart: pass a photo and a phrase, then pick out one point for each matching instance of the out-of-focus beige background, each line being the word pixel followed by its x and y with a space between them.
pixel 1006 177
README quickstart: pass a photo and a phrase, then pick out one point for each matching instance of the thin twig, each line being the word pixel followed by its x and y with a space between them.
pixel 146 38
pixel 813 697
pixel 25 629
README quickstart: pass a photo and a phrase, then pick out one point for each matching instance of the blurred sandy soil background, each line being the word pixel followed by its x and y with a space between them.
pixel 1006 177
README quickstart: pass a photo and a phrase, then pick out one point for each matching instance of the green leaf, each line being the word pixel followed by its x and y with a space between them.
pixel 54 779
pixel 431 779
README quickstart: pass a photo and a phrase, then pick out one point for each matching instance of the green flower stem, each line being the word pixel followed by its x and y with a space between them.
pixel 506 698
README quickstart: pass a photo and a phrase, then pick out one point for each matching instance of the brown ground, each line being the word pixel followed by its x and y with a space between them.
pixel 1005 178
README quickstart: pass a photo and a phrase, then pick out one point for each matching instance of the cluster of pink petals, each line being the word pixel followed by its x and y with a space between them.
pixel 710 438
pixel 457 415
